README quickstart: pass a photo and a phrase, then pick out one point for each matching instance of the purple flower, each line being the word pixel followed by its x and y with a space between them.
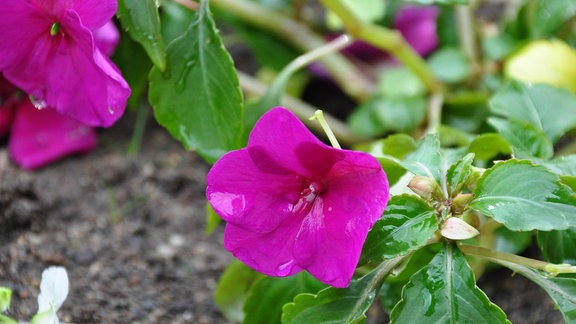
pixel 418 26
pixel 293 203
pixel 38 137
pixel 47 49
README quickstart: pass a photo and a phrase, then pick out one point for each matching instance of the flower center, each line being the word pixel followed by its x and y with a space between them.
pixel 314 189
pixel 54 29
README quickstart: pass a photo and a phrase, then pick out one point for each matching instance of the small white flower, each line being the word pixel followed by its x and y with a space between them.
pixel 53 292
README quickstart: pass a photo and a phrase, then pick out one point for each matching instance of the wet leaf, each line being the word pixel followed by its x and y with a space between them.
pixel 558 246
pixel 524 197
pixel 445 291
pixel 406 225
pixel 198 97
pixel 141 20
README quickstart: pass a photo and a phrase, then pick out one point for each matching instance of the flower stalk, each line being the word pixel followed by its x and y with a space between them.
pixel 386 39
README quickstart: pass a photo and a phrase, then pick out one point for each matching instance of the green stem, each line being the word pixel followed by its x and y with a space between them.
pixel 386 39
pixel 350 79
pixel 139 127
pixel 502 257
pixel 435 113
pixel 301 109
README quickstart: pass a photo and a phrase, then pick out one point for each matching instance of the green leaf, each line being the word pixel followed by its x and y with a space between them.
pixel 426 160
pixel 402 115
pixel 444 2
pixel 269 295
pixel 445 292
pixel 564 165
pixel 400 83
pixel 7 320
pixel 450 65
pixel 233 289
pixel 406 225
pixel 337 305
pixel 398 145
pixel 366 10
pixel 364 121
pixel 174 20
pixel 561 289
pixel 5 297
pixel 558 246
pixel 524 197
pixel 198 97
pixel 458 173
pixel 550 109
pixel 135 65
pixel 141 20
pixel 212 220
pixel 551 16
pixel 489 145
pixel 526 140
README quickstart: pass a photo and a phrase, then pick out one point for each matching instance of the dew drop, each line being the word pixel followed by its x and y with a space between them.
pixel 38 103
pixel 181 83
pixel 111 111
pixel 490 207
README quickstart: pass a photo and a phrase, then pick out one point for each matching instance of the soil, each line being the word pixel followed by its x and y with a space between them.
pixel 131 232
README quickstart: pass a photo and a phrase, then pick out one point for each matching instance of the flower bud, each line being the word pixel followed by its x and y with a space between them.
pixel 455 228
pixel 425 187
pixel 460 202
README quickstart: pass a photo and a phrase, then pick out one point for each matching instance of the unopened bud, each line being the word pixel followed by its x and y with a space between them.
pixel 425 187
pixel 460 202
pixel 455 228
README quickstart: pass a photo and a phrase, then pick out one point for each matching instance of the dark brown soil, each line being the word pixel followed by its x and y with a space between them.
pixel 130 231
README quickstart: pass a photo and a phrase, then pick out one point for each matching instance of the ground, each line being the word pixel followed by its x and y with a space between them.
pixel 130 231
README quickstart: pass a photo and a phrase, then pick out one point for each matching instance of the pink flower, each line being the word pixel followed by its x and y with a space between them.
pixel 418 26
pixel 47 49
pixel 293 203
pixel 38 137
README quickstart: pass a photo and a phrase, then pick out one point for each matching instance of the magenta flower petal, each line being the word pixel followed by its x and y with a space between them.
pixel 62 67
pixel 6 116
pixel 418 26
pixel 39 137
pixel 292 203
pixel 238 199
pixel 106 38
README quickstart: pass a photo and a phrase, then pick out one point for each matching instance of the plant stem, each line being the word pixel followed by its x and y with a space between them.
pixel 502 257
pixel 350 79
pixel 435 113
pixel 386 39
pixel 301 109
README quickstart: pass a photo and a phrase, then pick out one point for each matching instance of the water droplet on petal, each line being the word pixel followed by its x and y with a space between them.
pixel 38 103
pixel 111 110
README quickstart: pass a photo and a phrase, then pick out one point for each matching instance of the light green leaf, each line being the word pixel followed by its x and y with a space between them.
pixel 563 165
pixel 366 10
pixel 198 97
pixel 141 20
pixel 406 225
pixel 443 2
pixel 489 145
pixel 7 320
pixel 445 292
pixel 458 173
pixel 527 141
pixel 269 295
pixel 558 246
pixel 402 115
pixel 336 305
pixel 426 160
pixel 549 109
pixel 450 65
pixel 212 220
pixel 5 297
pixel 550 16
pixel 233 289
pixel 400 83
pixel 524 197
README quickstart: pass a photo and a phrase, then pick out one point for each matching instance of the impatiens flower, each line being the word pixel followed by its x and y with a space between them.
pixel 293 203
pixel 47 49
pixel 418 26
pixel 37 137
